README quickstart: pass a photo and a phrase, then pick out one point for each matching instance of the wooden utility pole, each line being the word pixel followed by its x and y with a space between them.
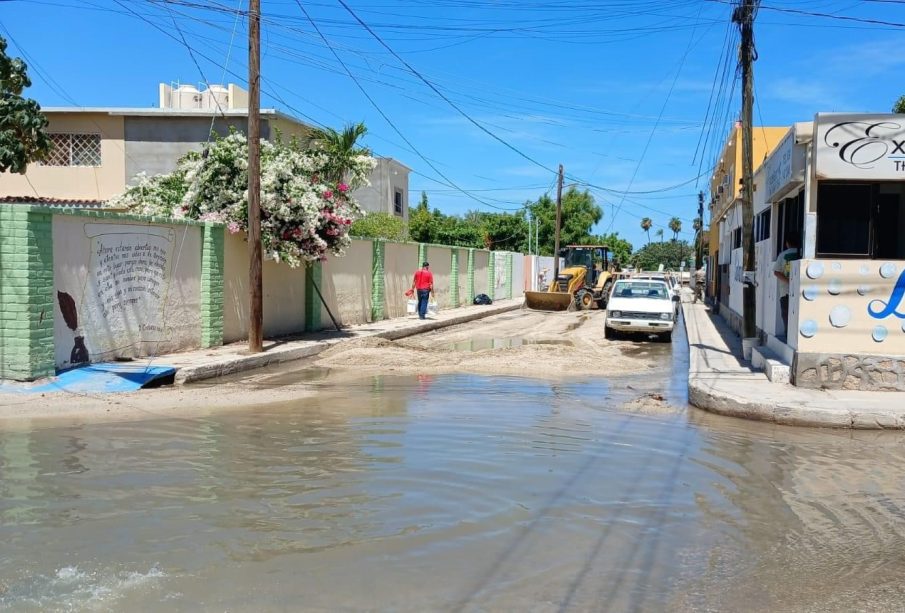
pixel 256 307
pixel 558 224
pixel 744 17
pixel 699 251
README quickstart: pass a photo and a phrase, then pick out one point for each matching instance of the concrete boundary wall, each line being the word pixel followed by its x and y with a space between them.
pixel 207 299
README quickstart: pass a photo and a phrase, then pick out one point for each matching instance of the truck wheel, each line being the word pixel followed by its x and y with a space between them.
pixel 584 299
pixel 608 333
pixel 665 337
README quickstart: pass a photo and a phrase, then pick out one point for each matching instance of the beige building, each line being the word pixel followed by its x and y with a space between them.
pixel 725 215
pixel 99 151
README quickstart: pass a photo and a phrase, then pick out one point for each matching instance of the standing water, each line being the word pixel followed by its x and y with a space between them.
pixel 451 493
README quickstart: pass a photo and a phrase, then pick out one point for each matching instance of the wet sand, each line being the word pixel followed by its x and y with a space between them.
pixel 548 346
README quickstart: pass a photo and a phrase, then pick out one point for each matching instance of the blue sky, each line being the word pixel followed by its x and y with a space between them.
pixel 617 91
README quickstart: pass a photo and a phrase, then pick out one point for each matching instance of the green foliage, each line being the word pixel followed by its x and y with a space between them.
pixel 675 225
pixel 899 106
pixel 579 214
pixel 380 225
pixel 646 224
pixel 341 148
pixel 671 254
pixel 23 128
pixel 620 249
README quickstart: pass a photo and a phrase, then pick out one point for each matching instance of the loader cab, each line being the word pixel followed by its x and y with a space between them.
pixel 594 258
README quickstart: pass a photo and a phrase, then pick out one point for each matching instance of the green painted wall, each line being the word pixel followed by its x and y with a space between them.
pixel 313 275
pixel 378 282
pixel 26 293
pixel 454 279
pixel 469 289
pixel 212 261
pixel 491 276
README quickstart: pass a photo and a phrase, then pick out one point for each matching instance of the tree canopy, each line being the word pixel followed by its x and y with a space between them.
pixel 579 215
pixel 380 225
pixel 23 128
pixel 899 106
pixel 671 254
pixel 304 213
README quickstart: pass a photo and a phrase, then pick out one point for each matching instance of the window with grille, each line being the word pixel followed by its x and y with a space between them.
pixel 74 150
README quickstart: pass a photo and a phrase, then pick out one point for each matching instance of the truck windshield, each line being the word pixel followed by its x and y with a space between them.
pixel 636 289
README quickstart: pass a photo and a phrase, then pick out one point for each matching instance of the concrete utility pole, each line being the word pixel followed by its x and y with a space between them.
pixel 558 222
pixel 744 16
pixel 256 307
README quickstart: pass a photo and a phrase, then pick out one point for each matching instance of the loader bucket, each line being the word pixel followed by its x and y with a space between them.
pixel 548 301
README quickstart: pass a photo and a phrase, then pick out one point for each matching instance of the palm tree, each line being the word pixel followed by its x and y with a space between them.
pixel 646 224
pixel 341 147
pixel 697 224
pixel 675 224
pixel 659 234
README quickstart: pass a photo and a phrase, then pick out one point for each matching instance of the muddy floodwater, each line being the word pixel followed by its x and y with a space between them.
pixel 453 492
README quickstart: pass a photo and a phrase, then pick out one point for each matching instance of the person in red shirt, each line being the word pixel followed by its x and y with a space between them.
pixel 423 283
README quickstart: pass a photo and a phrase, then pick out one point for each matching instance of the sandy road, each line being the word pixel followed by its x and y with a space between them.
pixel 525 343
pixel 552 346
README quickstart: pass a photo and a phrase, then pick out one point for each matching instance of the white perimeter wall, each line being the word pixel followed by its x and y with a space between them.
pixel 134 288
pixel 346 285
pixel 284 294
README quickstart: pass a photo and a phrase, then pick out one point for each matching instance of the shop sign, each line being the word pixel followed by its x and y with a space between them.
pixel 779 165
pixel 865 147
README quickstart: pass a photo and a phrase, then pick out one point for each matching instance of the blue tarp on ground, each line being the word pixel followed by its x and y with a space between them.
pixel 97 379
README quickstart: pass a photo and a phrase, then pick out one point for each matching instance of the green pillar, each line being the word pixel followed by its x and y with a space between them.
pixel 509 271
pixel 312 301
pixel 454 278
pixel 212 240
pixel 469 287
pixel 422 253
pixel 491 275
pixel 378 282
pixel 26 293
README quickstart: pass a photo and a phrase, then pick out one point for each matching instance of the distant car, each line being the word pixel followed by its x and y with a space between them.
pixel 641 305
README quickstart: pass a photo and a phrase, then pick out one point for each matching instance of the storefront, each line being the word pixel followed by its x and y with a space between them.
pixel 846 317
pixel 779 212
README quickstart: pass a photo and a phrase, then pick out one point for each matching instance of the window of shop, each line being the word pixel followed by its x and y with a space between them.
pixel 762 226
pixel 789 220
pixel 737 238
pixel 397 201
pixel 860 220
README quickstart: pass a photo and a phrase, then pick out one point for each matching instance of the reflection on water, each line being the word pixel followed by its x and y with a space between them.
pixel 451 493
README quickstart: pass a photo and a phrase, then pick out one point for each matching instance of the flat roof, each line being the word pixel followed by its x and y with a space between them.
pixel 158 112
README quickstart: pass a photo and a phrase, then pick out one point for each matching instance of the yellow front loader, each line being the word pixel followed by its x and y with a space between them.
pixel 585 279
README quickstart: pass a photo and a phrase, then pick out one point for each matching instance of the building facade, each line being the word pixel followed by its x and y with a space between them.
pixel 98 152
pixel 724 265
pixel 837 185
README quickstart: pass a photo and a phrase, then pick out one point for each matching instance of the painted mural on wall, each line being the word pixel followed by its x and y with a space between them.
pixel 124 290
pixel 851 306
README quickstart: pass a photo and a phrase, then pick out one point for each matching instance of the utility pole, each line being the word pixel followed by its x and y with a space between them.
pixel 699 251
pixel 256 307
pixel 558 224
pixel 743 15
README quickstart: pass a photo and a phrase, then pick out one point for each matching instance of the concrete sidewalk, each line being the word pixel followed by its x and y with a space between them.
pixel 233 358
pixel 719 380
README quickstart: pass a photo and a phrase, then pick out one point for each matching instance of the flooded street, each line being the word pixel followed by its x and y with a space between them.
pixel 454 491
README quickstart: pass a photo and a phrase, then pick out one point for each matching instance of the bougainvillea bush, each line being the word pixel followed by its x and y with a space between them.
pixel 304 214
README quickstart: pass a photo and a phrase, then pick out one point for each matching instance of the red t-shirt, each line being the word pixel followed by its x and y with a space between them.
pixel 424 279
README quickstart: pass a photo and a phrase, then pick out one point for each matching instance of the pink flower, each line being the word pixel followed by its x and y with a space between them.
pixel 328 195
pixel 342 187
pixel 233 227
